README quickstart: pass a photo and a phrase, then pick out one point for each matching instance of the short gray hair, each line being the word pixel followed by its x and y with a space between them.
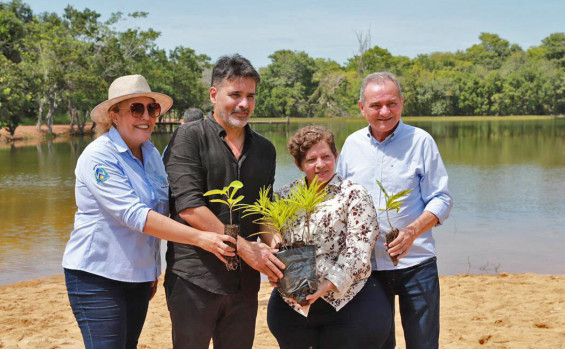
pixel 378 78
pixel 192 114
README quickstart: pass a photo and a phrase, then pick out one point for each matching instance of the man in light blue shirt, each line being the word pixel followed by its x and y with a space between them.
pixel 401 157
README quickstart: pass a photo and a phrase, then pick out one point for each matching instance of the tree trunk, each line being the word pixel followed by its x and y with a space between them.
pixel 72 115
pixel 49 117
pixel 40 114
pixel 53 104
pixel 81 122
pixel 11 129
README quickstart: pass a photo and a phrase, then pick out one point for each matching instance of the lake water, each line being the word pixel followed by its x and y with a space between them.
pixel 507 179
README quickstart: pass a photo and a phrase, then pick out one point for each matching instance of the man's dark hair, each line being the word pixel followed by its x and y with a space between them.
pixel 192 114
pixel 233 67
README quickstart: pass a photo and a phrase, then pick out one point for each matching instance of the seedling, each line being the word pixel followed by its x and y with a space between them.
pixel 297 253
pixel 392 203
pixel 307 198
pixel 229 193
pixel 277 215
pixel 233 204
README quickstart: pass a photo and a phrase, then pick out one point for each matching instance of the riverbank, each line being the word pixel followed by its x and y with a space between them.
pixel 478 311
pixel 29 135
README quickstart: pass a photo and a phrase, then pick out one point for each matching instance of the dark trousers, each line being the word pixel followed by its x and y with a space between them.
pixel 363 323
pixel 417 288
pixel 198 315
pixel 110 313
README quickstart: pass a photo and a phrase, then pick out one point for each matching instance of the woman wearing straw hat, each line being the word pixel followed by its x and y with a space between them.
pixel 112 260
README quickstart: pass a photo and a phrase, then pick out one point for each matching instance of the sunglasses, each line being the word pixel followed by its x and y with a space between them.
pixel 138 109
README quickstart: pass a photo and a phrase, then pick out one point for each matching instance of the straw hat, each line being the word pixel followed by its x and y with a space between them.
pixel 125 87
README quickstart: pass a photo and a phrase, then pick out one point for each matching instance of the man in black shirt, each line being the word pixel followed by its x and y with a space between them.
pixel 206 300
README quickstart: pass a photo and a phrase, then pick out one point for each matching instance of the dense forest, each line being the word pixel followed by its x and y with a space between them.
pixel 54 64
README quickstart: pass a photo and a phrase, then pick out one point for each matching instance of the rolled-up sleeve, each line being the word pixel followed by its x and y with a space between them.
pixel 434 183
pixel 187 176
pixel 108 183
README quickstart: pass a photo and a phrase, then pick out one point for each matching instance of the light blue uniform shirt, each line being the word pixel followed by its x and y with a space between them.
pixel 114 192
pixel 406 159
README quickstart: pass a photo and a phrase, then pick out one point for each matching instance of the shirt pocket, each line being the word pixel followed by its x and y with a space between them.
pixel 407 175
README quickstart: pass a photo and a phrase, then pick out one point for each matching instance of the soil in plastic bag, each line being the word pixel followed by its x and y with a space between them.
pixel 393 234
pixel 232 230
pixel 300 277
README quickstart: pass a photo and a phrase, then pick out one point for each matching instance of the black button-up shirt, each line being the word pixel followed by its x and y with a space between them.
pixel 198 159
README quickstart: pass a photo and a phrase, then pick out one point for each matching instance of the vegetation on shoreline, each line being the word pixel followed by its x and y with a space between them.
pixel 55 68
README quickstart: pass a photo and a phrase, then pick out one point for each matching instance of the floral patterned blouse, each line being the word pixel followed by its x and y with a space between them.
pixel 344 230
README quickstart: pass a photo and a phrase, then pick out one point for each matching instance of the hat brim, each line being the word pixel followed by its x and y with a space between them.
pixel 100 113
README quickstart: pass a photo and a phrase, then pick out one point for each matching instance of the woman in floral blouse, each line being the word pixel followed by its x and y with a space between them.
pixel 349 309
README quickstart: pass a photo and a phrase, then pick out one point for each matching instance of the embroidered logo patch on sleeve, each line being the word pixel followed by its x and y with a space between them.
pixel 100 174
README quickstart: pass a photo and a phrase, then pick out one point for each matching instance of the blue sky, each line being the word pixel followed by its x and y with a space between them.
pixel 327 29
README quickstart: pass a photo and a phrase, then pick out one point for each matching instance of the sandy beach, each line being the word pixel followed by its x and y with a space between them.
pixel 477 311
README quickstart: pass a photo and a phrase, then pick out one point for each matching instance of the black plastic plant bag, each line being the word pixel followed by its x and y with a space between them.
pixel 300 277
pixel 232 230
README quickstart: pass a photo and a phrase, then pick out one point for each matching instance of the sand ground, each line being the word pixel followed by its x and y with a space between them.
pixel 478 311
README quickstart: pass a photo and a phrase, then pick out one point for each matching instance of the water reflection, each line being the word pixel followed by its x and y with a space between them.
pixel 507 177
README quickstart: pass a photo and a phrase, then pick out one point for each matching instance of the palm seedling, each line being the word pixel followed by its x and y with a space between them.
pixel 276 215
pixel 279 215
pixel 307 198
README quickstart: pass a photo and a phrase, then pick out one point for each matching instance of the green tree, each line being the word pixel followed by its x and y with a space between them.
pixel 15 83
pixel 15 99
pixel 554 48
pixel 492 51
pixel 186 87
pixel 286 85
pixel 331 98
pixel 13 18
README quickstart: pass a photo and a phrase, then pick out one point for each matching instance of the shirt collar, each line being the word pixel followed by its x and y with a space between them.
pixel 117 139
pixel 335 181
pixel 222 133
pixel 120 144
pixel 397 132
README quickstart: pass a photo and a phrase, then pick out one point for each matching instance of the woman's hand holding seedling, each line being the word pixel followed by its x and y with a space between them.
pixel 216 244
pixel 323 288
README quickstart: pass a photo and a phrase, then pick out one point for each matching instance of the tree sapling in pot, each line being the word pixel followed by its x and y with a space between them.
pixel 296 251
pixel 392 203
pixel 233 204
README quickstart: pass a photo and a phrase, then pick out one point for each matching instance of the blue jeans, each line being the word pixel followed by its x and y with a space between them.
pixel 110 313
pixel 364 322
pixel 417 288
